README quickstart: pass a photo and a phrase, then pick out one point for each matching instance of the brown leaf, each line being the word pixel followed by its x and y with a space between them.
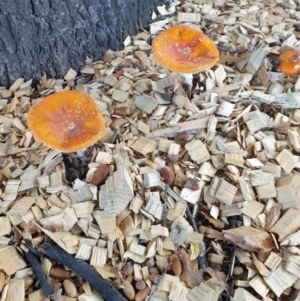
pixel 218 277
pixel 191 274
pixel 216 222
pixel 273 216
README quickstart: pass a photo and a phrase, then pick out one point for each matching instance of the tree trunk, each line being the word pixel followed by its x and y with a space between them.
pixel 40 37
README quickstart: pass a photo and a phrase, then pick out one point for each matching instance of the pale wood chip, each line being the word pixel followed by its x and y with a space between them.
pixel 258 284
pixel 11 261
pixel 197 151
pixel 250 238
pixel 286 160
pixel 273 261
pixel 240 294
pixel 144 145
pixel 288 224
pixel 279 280
pixel 180 230
pixel 146 103
pixel 117 191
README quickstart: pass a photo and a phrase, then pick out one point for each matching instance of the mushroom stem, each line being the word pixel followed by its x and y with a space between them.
pixel 188 78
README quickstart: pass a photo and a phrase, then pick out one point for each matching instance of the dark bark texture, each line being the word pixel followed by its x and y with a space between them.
pixel 40 37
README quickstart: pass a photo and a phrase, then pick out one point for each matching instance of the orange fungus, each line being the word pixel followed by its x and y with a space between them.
pixel 66 121
pixel 289 62
pixel 185 50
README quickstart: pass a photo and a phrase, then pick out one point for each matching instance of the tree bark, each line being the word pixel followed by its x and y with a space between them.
pixel 40 37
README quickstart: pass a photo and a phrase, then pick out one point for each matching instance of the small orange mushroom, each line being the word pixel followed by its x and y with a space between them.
pixel 289 62
pixel 66 121
pixel 185 50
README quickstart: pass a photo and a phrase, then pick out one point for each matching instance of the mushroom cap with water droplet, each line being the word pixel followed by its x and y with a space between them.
pixel 185 50
pixel 66 121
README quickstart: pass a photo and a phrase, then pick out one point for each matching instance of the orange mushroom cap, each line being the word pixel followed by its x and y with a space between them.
pixel 185 50
pixel 289 62
pixel 66 121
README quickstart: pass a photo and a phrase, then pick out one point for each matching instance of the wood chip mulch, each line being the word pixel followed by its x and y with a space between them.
pixel 192 193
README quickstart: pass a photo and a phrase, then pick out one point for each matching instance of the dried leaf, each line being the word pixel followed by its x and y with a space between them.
pixel 216 222
pixel 191 274
pixel 218 277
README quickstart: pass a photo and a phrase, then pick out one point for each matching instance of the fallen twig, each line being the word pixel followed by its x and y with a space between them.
pixel 191 218
pixel 45 286
pixel 85 271
pixel 165 206
pixel 201 257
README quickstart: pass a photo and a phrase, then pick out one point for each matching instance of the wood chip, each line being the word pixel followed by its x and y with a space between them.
pixel 11 261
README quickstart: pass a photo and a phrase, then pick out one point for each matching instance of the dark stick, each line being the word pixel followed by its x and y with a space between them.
pixel 32 249
pixel 165 206
pixel 45 286
pixel 191 218
pixel 201 257
pixel 85 271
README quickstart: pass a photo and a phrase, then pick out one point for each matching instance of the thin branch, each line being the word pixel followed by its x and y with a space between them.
pixel 165 206
pixel 191 218
pixel 45 286
pixel 105 288
pixel 201 258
